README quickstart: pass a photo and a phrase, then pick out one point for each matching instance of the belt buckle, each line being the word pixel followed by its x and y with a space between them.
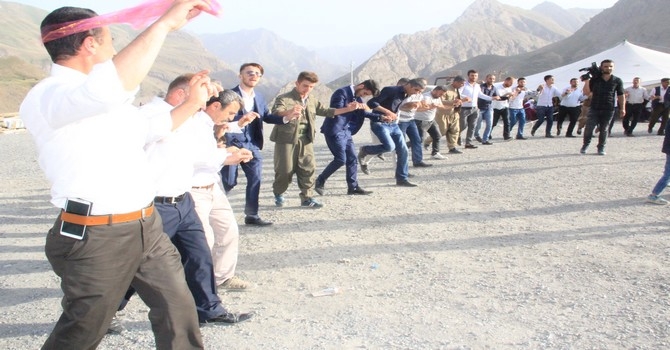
pixel 172 200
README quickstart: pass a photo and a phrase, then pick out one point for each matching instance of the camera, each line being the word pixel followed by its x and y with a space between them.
pixel 591 72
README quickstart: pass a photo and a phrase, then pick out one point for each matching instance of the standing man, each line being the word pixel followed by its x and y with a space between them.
pixel 660 106
pixel 294 114
pixel 469 112
pixel 338 133
pixel 602 90
pixel 448 118
pixel 501 107
pixel 408 126
pixel 486 97
pixel 119 237
pixel 545 105
pixel 571 106
pixel 251 138
pixel 636 98
pixel 517 112
pixel 425 118
pixel 386 128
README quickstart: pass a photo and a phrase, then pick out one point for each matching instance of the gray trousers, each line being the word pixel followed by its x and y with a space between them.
pixel 468 120
pixel 96 272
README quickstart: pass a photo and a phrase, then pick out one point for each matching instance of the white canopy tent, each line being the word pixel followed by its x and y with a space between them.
pixel 629 61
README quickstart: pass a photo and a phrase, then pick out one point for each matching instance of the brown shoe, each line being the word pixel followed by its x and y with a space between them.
pixel 235 284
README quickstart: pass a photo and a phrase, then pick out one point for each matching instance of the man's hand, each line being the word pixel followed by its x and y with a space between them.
pixel 389 117
pixel 247 118
pixel 183 11
pixel 200 89
pixel 237 156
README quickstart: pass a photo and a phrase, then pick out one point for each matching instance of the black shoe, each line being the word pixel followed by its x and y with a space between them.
pixel 230 318
pixel 629 134
pixel 570 135
pixel 549 136
pixel 521 138
pixel 256 221
pixel 579 131
pixel 478 138
pixel 470 146
pixel 318 188
pixel 558 133
pixel 422 165
pixel 532 132
pixel 488 143
pixel 508 138
pixel 358 191
pixel 455 151
pixel 405 183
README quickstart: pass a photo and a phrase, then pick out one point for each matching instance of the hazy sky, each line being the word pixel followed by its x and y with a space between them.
pixel 317 23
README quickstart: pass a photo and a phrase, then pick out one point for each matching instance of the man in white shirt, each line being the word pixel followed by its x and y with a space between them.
pixel 571 106
pixel 425 118
pixel 501 107
pixel 545 105
pixel 469 112
pixel 517 112
pixel 636 97
pixel 660 106
pixel 76 116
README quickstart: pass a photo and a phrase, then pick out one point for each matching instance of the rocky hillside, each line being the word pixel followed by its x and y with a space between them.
pixel 642 22
pixel 486 27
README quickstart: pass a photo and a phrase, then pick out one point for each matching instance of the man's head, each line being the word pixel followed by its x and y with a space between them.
pixel 574 82
pixel 472 76
pixel 549 80
pixel 402 81
pixel 607 66
pixel 366 88
pixel 414 86
pixel 177 91
pixel 490 79
pixel 458 82
pixel 250 74
pixel 224 107
pixel 636 82
pixel 509 81
pixel 306 83
pixel 521 82
pixel 438 91
pixel 665 82
pixel 94 45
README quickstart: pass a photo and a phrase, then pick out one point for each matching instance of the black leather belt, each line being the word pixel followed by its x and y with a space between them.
pixel 168 200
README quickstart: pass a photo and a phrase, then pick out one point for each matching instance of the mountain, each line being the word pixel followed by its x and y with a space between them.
pixel 642 22
pixel 25 61
pixel 281 59
pixel 569 19
pixel 485 27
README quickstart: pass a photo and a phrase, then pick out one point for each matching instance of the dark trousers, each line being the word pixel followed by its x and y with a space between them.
pixel 661 111
pixel 96 271
pixel 600 119
pixel 341 145
pixel 183 226
pixel 434 132
pixel 633 112
pixel 504 115
pixel 253 172
pixel 542 114
pixel 572 113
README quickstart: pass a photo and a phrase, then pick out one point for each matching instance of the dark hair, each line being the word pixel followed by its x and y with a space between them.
pixel 180 81
pixel 471 71
pixel 547 77
pixel 225 98
pixel 664 80
pixel 522 78
pixel 440 88
pixel 372 86
pixel 402 81
pixel 309 76
pixel 606 61
pixel 68 46
pixel 458 78
pixel 418 82
pixel 252 64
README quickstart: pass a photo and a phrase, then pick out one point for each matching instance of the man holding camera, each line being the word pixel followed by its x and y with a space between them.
pixel 602 86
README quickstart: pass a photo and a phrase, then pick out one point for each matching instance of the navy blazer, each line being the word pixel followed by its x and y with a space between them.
pixel 255 128
pixel 352 120
pixel 390 97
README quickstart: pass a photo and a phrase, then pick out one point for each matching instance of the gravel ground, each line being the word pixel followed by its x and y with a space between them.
pixel 518 245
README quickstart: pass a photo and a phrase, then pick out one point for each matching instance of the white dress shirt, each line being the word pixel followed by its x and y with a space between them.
pixel 573 98
pixel 405 116
pixel 516 102
pixel 544 98
pixel 208 158
pixel 429 114
pixel 501 90
pixel 636 95
pixel 90 138
pixel 471 91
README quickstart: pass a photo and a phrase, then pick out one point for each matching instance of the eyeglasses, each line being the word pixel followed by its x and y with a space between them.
pixel 252 73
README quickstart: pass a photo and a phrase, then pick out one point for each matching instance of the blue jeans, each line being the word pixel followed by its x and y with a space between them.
pixel 487 117
pixel 253 171
pixel 517 115
pixel 391 138
pixel 542 114
pixel 412 132
pixel 665 179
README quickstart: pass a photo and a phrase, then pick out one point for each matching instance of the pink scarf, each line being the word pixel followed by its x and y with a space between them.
pixel 138 17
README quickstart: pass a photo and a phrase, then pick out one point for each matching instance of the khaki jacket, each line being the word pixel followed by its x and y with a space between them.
pixel 288 133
